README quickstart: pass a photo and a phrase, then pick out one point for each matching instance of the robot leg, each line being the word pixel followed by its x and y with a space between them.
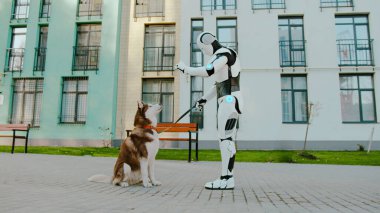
pixel 227 120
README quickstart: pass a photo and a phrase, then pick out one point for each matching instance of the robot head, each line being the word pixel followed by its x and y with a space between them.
pixel 207 43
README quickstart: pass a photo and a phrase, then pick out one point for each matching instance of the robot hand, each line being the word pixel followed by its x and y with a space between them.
pixel 200 104
pixel 181 66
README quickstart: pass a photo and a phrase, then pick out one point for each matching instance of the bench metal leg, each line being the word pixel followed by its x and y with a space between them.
pixel 196 146
pixel 13 142
pixel 26 141
pixel 189 147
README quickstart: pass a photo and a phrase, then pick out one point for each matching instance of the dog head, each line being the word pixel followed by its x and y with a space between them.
pixel 146 114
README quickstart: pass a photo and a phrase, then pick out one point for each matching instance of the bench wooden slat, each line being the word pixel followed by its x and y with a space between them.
pixel 193 125
pixel 175 129
pixel 176 139
pixel 11 127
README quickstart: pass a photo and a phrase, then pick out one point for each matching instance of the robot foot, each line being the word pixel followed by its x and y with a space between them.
pixel 224 183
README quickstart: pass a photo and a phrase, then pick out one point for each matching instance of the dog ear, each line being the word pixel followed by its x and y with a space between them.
pixel 140 104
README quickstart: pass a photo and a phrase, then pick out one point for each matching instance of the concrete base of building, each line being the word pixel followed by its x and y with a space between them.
pixel 209 144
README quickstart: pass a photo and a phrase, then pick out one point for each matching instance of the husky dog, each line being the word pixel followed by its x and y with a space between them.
pixel 138 151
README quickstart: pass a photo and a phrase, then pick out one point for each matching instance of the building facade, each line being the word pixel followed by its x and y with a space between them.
pixel 302 62
pixel 59 68
pixel 75 69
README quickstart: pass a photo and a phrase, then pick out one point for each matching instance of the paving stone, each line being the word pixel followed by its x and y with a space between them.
pixel 46 183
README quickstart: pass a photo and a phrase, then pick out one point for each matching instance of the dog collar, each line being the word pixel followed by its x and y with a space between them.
pixel 149 127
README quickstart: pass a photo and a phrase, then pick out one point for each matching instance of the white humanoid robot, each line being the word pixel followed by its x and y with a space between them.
pixel 225 66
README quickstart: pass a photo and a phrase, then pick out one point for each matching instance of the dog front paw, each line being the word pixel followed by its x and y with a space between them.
pixel 156 183
pixel 124 184
pixel 147 184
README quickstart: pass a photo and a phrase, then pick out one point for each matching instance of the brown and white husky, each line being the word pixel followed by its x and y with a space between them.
pixel 138 151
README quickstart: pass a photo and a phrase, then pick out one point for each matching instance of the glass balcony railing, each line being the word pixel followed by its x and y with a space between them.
pixel 210 5
pixel 292 53
pixel 85 58
pixel 14 61
pixel 337 3
pixel 355 52
pixel 90 8
pixel 268 4
pixel 159 58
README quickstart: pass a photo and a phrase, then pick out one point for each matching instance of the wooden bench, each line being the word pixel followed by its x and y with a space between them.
pixel 16 128
pixel 190 128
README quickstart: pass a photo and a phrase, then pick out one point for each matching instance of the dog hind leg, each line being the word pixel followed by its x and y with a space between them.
pixel 118 174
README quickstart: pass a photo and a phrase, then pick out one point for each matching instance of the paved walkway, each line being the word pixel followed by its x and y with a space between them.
pixel 44 183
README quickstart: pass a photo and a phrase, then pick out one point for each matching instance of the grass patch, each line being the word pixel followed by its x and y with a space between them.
pixel 321 157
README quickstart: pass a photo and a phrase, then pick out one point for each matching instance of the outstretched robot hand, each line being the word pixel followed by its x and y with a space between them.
pixel 200 104
pixel 181 67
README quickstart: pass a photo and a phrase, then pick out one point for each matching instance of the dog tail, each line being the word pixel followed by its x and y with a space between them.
pixel 100 179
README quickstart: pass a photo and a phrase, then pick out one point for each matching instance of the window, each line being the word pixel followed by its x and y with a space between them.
pixel 357 98
pixel 218 5
pixel 20 9
pixel 90 8
pixel 15 54
pixel 160 91
pixel 27 101
pixel 74 100
pixel 227 33
pixel 86 51
pixel 40 51
pixel 353 41
pixel 294 99
pixel 149 8
pixel 159 48
pixel 196 60
pixel 268 4
pixel 45 9
pixel 291 42
pixel 337 3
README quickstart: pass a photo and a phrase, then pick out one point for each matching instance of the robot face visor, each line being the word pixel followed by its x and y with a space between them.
pixel 204 42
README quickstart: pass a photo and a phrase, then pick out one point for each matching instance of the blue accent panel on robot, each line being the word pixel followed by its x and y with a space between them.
pixel 230 99
pixel 230 124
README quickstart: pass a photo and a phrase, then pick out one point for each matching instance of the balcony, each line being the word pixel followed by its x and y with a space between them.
pixel 336 3
pixel 292 53
pixel 85 58
pixel 20 11
pixel 45 10
pixel 355 52
pixel 90 8
pixel 159 58
pixel 14 61
pixel 268 4
pixel 149 8
pixel 39 59
pixel 210 5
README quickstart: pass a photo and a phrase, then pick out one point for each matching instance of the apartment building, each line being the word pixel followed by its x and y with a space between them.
pixel 58 69
pixel 313 61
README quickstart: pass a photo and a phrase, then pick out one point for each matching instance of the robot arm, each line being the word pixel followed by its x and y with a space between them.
pixel 206 71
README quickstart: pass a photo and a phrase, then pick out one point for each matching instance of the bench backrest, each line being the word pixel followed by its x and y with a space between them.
pixel 11 127
pixel 178 127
